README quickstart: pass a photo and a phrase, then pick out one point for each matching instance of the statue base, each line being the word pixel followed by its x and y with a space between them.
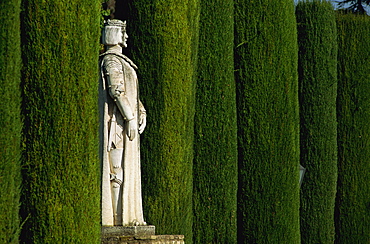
pixel 137 235
pixel 144 230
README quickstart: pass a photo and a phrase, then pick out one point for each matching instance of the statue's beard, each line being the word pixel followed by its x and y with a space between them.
pixel 123 44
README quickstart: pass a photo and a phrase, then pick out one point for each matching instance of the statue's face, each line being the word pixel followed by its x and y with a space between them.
pixel 124 38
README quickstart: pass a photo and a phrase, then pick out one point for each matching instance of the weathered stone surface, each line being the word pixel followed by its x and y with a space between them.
pixel 151 239
pixel 111 231
pixel 122 120
pixel 137 235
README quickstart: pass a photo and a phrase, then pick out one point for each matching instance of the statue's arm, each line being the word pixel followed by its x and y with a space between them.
pixel 116 88
pixel 142 114
pixel 141 107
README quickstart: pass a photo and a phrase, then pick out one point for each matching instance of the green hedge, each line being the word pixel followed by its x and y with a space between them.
pixel 61 170
pixel 268 122
pixel 215 145
pixel 353 110
pixel 162 42
pixel 10 122
pixel 317 65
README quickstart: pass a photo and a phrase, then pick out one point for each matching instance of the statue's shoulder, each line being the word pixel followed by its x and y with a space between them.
pixel 110 56
pixel 114 55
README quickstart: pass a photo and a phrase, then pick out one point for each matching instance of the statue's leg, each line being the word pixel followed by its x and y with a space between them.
pixel 115 157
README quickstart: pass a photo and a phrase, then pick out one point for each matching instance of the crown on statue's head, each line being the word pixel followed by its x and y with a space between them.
pixel 116 22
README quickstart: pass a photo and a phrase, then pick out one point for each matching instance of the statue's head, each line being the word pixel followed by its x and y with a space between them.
pixel 115 33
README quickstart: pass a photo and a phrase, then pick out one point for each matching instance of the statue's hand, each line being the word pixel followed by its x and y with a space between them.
pixel 142 123
pixel 131 129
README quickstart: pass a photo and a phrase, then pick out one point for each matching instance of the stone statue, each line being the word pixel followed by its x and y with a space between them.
pixel 123 119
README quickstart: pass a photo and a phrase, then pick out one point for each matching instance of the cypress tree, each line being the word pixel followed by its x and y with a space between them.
pixel 268 133
pixel 61 197
pixel 10 122
pixel 352 215
pixel 215 146
pixel 162 42
pixel 317 65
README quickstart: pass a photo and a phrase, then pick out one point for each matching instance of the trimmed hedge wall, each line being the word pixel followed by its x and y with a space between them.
pixel 215 145
pixel 352 216
pixel 162 42
pixel 10 122
pixel 268 121
pixel 61 170
pixel 317 66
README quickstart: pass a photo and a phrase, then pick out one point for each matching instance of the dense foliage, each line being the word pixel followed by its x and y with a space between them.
pixel 10 122
pixel 268 133
pixel 199 178
pixel 317 66
pixel 163 43
pixel 215 145
pixel 352 216
pixel 61 189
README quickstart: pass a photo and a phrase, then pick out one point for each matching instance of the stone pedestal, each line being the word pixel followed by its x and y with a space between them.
pixel 137 235
pixel 147 230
